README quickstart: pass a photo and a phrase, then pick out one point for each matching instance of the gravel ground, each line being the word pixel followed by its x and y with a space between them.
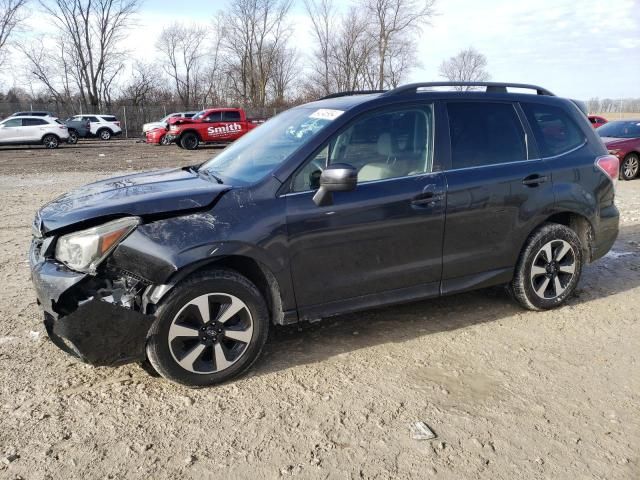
pixel 509 393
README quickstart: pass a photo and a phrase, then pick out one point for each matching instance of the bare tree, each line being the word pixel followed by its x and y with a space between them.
pixel 94 30
pixel 183 51
pixel 55 77
pixel 254 32
pixel 144 82
pixel 285 73
pixel 352 53
pixel 467 66
pixel 323 17
pixel 392 21
pixel 11 16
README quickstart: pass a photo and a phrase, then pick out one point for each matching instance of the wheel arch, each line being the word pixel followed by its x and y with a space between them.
pixel 255 271
pixel 50 134
pixel 191 130
pixel 580 224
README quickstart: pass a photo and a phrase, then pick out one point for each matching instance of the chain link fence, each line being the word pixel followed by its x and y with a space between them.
pixel 131 117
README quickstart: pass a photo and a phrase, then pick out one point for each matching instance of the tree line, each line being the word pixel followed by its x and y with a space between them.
pixel 246 55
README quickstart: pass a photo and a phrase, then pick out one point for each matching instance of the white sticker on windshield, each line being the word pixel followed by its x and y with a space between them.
pixel 326 114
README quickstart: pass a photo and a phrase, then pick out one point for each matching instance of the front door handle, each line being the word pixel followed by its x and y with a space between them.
pixel 428 198
pixel 534 180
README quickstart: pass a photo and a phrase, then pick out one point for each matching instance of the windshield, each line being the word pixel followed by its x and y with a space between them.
pixel 263 149
pixel 620 129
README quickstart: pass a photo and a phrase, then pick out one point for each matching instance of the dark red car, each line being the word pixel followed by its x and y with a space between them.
pixel 597 121
pixel 622 138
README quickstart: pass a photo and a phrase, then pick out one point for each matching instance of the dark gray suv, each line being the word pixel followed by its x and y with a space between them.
pixel 346 203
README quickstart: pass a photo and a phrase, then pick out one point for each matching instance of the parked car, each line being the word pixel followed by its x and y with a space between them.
pixel 33 113
pixel 342 204
pixel 162 123
pixel 216 125
pixel 78 128
pixel 101 126
pixel 597 121
pixel 157 136
pixel 622 138
pixel 28 130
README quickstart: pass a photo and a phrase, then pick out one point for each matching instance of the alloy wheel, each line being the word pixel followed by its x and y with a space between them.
pixel 50 141
pixel 210 333
pixel 553 269
pixel 630 166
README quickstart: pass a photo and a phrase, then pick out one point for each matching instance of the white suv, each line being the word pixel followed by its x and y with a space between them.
pixel 102 126
pixel 47 131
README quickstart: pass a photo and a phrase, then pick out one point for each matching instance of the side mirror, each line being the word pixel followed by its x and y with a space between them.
pixel 339 177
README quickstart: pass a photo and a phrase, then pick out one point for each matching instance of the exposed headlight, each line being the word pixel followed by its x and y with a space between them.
pixel 84 250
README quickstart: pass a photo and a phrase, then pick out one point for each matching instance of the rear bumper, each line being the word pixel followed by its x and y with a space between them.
pixel 93 329
pixel 607 232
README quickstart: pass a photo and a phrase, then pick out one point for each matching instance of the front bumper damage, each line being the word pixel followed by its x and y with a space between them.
pixel 98 320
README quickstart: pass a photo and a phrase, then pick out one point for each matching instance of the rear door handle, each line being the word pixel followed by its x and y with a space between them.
pixel 534 180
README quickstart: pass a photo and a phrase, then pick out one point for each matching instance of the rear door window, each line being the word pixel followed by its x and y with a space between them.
pixel 555 131
pixel 484 133
pixel 30 122
pixel 233 116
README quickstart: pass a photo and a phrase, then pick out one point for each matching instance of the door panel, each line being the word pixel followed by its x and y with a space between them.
pixel 490 211
pixel 385 235
pixel 495 194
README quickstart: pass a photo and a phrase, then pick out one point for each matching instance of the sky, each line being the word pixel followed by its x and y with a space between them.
pixel 575 48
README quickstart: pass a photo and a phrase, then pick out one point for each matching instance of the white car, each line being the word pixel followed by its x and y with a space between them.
pixel 162 123
pixel 101 126
pixel 47 131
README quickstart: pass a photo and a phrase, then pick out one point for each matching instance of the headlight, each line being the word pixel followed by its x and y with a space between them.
pixel 84 250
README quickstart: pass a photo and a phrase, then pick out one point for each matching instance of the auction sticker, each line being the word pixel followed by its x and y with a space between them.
pixel 326 114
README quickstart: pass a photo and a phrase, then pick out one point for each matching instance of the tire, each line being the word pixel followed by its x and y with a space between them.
pixel 179 145
pixel 105 134
pixel 630 166
pixel 535 285
pixel 193 359
pixel 189 141
pixel 73 137
pixel 50 141
pixel 164 140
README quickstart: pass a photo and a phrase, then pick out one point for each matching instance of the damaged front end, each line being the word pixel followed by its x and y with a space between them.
pixel 99 319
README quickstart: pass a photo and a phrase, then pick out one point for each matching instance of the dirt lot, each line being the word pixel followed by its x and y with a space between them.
pixel 510 394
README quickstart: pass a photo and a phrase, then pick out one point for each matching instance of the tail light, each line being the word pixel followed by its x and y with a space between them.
pixel 610 165
pixel 117 123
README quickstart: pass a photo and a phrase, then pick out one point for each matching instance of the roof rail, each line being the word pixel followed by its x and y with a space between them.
pixel 351 92
pixel 491 87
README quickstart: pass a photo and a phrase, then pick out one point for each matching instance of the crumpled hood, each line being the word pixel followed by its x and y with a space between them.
pixel 150 193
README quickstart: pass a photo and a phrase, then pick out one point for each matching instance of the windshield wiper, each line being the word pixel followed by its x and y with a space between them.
pixel 207 173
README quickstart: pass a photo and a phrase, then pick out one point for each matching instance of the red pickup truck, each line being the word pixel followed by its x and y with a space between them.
pixel 215 125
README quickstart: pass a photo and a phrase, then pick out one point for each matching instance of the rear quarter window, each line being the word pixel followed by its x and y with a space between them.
pixel 109 118
pixel 555 131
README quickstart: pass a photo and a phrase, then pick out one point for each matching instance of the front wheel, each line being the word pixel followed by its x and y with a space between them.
pixel 50 141
pixel 630 166
pixel 189 141
pixel 549 268
pixel 164 140
pixel 210 329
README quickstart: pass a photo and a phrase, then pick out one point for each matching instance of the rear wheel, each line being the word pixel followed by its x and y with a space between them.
pixel 73 137
pixel 549 268
pixel 104 134
pixel 211 328
pixel 189 141
pixel 630 166
pixel 50 141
